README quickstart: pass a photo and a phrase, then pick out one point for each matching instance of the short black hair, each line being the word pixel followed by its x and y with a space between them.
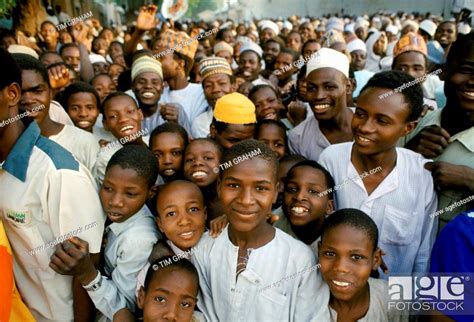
pixel 250 146
pixel 65 46
pixel 78 87
pixel 113 95
pixel 315 165
pixel 256 88
pixel 46 22
pixel 11 72
pixel 27 62
pixel 214 143
pixel 292 158
pixel 137 158
pixel 170 127
pixel 188 62
pixel 170 262
pixel 409 51
pixel 307 42
pixel 293 53
pixel 394 79
pixel 459 49
pixel 50 52
pixel 353 218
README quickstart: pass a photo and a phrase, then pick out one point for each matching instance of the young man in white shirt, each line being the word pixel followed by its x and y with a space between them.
pixel 390 184
pixel 44 190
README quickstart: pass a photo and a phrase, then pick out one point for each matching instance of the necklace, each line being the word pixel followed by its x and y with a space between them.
pixel 242 265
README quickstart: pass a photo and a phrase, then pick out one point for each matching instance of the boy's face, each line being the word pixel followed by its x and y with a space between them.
pixel 83 110
pixel 379 123
pixel 49 33
pixel 51 58
pixel 294 41
pixel 266 34
pixel 446 34
pixel 104 86
pixel 249 64
pixel 302 203
pixel 182 219
pixel 347 258
pixel 168 149
pixel 413 63
pixel 283 168
pixel 123 193
pixel 310 49
pixel 284 63
pixel 216 86
pixel 226 55
pixel 267 105
pixel 358 59
pixel 122 117
pixel 271 51
pixel 147 88
pixel 274 137
pixel 100 68
pixel 171 67
pixel 326 90
pixel 247 191
pixel 460 79
pixel 200 163
pixel 171 296
pixel 34 92
pixel 72 56
pixel 234 133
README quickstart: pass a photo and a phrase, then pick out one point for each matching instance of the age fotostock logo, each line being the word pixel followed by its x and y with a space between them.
pixel 422 294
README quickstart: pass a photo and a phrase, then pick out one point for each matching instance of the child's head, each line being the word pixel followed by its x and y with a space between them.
pixel 248 184
pixel 181 213
pixel 10 91
pixel 384 114
pixel 50 57
pixel 104 85
pixel 81 102
pixel 305 198
pixel 114 72
pixel 201 162
pixel 71 55
pixel 170 292
pixel 35 89
pixel 49 32
pixel 267 102
pixel 285 63
pixel 348 252
pixel 121 115
pixel 168 142
pixel 284 166
pixel 234 120
pixel 273 134
pixel 99 46
pixel 129 181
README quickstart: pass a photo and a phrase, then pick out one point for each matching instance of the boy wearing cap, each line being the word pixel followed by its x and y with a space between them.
pixel 234 120
pixel 410 56
pixel 226 51
pixel 217 81
pixel 327 86
pixel 250 64
pixel 147 85
pixel 358 52
pixel 176 67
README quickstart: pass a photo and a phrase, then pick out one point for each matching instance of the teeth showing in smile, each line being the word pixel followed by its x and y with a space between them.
pixel 343 284
pixel 363 139
pixel 83 123
pixel 188 234
pixel 147 95
pixel 168 172
pixel 126 128
pixel 470 94
pixel 199 174
pixel 299 210
pixel 114 214
pixel 322 106
pixel 270 116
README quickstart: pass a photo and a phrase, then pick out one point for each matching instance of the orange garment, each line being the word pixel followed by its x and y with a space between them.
pixel 12 308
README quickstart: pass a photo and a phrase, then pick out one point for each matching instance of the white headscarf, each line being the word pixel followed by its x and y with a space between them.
pixel 373 59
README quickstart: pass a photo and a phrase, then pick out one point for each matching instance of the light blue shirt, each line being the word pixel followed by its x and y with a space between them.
pixel 129 244
pixel 280 283
pixel 400 206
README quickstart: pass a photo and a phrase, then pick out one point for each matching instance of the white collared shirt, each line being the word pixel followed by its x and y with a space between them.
pixel 201 125
pixel 280 283
pixel 191 98
pixel 46 196
pixel 307 139
pixel 129 244
pixel 400 206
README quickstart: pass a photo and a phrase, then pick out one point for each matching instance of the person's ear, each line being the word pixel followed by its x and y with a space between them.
pixel 330 207
pixel 377 259
pixel 141 298
pixel 409 127
pixel 319 248
pixel 140 113
pixel 348 86
pixel 13 92
pixel 152 192
pixel 212 131
pixel 205 213
pixel 218 185
pixel 275 195
pixel 158 223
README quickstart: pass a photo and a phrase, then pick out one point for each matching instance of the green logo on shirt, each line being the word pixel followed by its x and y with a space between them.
pixel 21 217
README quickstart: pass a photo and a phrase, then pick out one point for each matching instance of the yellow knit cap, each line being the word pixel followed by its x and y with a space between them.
pixel 235 108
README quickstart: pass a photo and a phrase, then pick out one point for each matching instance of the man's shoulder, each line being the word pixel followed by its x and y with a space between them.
pixel 60 157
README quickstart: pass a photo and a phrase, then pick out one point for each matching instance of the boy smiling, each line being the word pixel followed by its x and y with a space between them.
pixel 250 253
pixel 400 197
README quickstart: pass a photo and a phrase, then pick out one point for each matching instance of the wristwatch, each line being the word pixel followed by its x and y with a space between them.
pixel 95 284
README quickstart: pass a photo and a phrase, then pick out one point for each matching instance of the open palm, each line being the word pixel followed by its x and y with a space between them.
pixel 147 18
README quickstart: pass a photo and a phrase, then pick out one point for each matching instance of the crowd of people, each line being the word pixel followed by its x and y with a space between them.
pixel 272 170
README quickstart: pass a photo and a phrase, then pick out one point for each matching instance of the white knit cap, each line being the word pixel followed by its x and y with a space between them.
pixel 327 57
pixel 250 45
pixel 356 44
pixel 287 25
pixel 269 24
pixel 428 26
pixel 95 58
pixel 392 29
